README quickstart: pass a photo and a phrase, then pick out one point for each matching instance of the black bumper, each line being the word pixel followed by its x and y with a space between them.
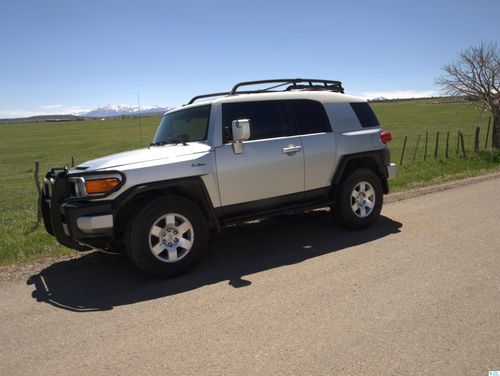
pixel 60 214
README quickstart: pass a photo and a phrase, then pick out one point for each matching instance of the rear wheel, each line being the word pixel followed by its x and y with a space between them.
pixel 167 236
pixel 359 200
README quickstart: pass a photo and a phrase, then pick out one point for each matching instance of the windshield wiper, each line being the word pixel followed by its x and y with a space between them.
pixel 170 141
pixel 159 143
pixel 177 141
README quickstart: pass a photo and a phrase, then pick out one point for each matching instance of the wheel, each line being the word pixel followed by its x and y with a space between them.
pixel 167 236
pixel 358 200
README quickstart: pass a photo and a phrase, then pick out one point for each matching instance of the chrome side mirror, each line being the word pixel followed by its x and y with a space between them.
pixel 241 132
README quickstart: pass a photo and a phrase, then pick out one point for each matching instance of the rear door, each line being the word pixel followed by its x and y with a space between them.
pixel 318 143
pixel 272 164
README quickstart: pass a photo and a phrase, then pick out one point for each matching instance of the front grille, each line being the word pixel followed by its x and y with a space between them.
pixel 72 188
pixel 48 184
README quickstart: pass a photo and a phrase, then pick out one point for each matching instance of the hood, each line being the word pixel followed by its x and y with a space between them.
pixel 144 155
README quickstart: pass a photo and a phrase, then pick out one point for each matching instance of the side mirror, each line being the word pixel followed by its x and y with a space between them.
pixel 241 132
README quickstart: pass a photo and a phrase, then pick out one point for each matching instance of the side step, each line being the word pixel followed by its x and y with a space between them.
pixel 283 210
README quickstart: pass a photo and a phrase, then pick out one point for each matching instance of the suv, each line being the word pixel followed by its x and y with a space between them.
pixel 236 156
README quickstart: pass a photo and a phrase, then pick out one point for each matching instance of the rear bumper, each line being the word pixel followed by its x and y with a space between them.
pixel 80 225
pixel 391 170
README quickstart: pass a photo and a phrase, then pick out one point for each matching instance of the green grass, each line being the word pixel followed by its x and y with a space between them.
pixel 55 143
pixel 51 144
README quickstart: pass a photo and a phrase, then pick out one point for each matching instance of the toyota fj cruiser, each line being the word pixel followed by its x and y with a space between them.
pixel 232 157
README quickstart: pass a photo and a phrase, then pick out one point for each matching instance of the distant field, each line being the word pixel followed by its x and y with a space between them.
pixel 55 143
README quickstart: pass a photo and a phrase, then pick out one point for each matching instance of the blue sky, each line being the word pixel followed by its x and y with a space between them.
pixel 67 56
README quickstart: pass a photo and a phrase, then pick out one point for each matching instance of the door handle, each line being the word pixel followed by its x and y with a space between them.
pixel 291 149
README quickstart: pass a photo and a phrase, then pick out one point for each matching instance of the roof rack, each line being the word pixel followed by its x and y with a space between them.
pixel 293 84
pixel 194 99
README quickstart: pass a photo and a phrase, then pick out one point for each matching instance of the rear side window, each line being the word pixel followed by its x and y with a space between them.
pixel 365 114
pixel 266 118
pixel 311 117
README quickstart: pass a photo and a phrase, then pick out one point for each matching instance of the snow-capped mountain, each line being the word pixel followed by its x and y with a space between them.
pixel 123 109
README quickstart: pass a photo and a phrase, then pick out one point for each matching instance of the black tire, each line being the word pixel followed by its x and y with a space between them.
pixel 137 242
pixel 343 212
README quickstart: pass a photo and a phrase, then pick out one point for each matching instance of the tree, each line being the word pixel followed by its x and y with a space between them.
pixel 476 74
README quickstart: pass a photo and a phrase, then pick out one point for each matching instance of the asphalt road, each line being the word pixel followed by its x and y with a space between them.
pixel 417 294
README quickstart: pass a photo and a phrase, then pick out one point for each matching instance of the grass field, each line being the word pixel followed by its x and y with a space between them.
pixel 55 143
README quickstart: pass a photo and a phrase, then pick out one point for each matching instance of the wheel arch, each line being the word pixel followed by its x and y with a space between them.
pixel 191 188
pixel 376 161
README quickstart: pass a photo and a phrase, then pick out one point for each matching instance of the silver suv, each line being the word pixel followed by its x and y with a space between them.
pixel 222 159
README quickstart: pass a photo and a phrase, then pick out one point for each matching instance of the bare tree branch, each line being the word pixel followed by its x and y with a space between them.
pixel 476 74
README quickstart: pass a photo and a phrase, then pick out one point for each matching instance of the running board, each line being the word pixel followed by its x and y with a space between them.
pixel 283 210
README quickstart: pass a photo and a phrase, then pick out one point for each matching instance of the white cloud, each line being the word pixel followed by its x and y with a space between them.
pixel 51 106
pixel 399 94
pixel 51 109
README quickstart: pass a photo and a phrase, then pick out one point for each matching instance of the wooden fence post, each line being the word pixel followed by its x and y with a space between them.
pixel 72 161
pixel 425 150
pixel 403 152
pixel 487 134
pixel 462 143
pixel 39 191
pixel 447 143
pixel 416 147
pixel 458 141
pixel 436 148
pixel 476 140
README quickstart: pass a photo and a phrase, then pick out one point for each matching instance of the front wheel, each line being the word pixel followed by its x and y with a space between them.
pixel 359 200
pixel 167 236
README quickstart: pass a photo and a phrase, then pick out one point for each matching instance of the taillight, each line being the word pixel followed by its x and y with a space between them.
pixel 385 137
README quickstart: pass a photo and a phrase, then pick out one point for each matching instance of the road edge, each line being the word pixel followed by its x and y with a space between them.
pixel 416 192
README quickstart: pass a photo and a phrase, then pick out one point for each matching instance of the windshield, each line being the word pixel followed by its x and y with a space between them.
pixel 183 126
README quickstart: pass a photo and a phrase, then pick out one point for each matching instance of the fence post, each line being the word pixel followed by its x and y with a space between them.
pixel 447 143
pixel 437 145
pixel 403 152
pixel 72 161
pixel 39 191
pixel 462 143
pixel 425 150
pixel 416 147
pixel 458 141
pixel 476 140
pixel 487 134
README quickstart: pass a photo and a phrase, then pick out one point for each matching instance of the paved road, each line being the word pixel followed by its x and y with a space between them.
pixel 418 294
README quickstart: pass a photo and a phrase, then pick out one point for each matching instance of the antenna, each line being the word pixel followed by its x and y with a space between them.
pixel 140 124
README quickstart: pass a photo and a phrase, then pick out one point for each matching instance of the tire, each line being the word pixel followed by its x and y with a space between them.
pixel 354 207
pixel 167 236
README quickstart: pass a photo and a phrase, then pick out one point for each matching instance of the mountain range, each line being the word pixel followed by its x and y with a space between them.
pixel 108 111
pixel 112 110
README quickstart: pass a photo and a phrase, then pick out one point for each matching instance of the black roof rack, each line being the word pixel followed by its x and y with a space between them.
pixel 311 84
pixel 194 99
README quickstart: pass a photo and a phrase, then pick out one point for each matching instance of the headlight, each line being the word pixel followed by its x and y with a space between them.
pixel 95 184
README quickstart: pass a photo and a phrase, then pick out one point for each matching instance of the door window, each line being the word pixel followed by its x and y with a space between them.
pixel 310 116
pixel 267 119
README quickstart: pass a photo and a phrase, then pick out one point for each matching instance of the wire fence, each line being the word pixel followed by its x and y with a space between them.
pixel 435 145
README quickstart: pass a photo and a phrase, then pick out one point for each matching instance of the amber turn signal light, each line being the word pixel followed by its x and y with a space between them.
pixel 101 185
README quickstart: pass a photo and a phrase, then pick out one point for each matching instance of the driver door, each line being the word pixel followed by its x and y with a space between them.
pixel 270 170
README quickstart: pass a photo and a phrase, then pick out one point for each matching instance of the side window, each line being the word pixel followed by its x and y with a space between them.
pixel 266 118
pixel 311 117
pixel 365 114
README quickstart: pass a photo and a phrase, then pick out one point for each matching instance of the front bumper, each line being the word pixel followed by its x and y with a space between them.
pixel 77 224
